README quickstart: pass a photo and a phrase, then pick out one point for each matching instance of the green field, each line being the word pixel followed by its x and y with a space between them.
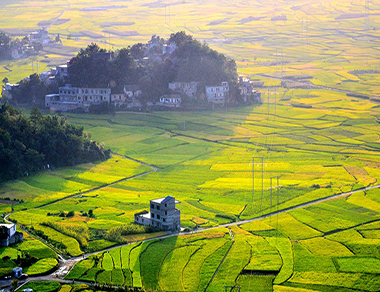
pixel 204 159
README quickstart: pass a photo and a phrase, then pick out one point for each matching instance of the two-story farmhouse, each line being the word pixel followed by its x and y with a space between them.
pixel 163 214
pixel 9 235
pixel 187 88
pixel 217 94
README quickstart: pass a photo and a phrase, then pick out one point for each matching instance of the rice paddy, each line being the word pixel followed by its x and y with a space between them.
pixel 318 141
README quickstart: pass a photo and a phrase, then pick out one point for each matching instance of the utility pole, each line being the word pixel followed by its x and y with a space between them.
pixel 253 180
pixel 262 183
pixel 366 12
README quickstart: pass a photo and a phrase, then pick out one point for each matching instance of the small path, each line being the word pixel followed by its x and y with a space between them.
pixel 154 169
pixel 224 258
pixel 59 16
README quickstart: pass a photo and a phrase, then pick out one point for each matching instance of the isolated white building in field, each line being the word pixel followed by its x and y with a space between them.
pixel 9 235
pixel 163 214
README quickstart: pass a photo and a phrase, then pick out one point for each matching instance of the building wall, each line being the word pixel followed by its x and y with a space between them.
pixel 70 98
pixel 217 94
pixel 165 215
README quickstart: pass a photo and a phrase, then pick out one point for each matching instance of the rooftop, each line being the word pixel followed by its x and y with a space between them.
pixel 164 200
pixel 10 225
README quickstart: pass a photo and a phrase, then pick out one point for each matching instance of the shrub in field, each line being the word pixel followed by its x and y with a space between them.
pixel 116 233
pixel 79 232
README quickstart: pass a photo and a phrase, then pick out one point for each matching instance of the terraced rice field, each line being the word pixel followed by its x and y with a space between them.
pixel 318 141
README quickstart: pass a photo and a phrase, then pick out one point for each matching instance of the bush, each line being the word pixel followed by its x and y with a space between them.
pixel 116 233
pixel 70 214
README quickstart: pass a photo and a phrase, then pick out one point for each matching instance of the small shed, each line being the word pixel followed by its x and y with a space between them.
pixel 17 272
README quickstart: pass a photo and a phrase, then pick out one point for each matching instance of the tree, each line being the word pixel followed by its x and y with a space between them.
pixel 180 38
pixel 137 51
pixel 4 46
pixel 86 70
pixel 29 144
pixel 37 46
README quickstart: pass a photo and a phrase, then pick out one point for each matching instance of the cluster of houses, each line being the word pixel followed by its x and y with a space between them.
pixel 156 50
pixel 71 98
pixel 32 43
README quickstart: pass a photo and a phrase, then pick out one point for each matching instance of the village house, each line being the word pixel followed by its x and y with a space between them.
pixel 62 71
pixel 70 98
pixel 170 100
pixel 7 90
pixel 187 88
pixel 132 90
pixel 163 214
pixel 247 90
pixel 118 99
pixel 40 36
pixel 218 94
pixel 168 49
pixel 9 235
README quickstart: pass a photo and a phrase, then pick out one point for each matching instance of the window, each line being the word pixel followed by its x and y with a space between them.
pixel 158 207
pixel 158 216
pixel 166 212
pixel 163 219
pixel 152 215
pixel 166 205
pixel 151 206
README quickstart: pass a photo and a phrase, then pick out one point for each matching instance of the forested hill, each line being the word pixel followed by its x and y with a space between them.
pixel 30 144
pixel 191 61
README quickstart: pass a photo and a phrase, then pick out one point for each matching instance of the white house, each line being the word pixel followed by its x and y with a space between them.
pixel 163 214
pixel 187 88
pixel 7 90
pixel 217 94
pixel 168 49
pixel 247 90
pixel 170 100
pixel 40 36
pixel 132 90
pixel 118 99
pixel 9 235
pixel 62 71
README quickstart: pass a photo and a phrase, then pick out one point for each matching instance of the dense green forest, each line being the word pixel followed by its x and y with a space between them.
pixel 30 144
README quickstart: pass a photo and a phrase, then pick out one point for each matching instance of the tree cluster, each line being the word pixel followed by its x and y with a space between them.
pixel 32 91
pixel 191 61
pixel 30 144
pixel 95 67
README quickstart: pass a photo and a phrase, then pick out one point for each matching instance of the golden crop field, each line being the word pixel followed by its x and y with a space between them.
pixel 317 139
